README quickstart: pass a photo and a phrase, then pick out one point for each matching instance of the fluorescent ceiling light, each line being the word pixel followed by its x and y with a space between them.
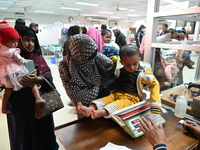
pixel 70 8
pixel 123 8
pixel 40 11
pixel 8 2
pixel 132 15
pixel 115 17
pixel 88 4
pixel 131 10
pixel 3 8
pixel 88 15
pixel 105 12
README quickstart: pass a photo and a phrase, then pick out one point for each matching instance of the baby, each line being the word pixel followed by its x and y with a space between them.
pixel 110 47
pixel 12 67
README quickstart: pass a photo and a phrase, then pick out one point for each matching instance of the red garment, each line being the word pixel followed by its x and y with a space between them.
pixel 7 33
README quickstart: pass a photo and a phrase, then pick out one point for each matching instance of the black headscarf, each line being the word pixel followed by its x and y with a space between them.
pixel 19 22
pixel 73 30
pixel 24 30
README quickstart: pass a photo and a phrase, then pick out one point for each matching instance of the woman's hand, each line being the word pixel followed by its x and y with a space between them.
pixel 191 127
pixel 178 36
pixel 180 60
pixel 154 134
pixel 30 79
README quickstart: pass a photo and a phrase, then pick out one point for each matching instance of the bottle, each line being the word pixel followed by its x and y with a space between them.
pixel 181 106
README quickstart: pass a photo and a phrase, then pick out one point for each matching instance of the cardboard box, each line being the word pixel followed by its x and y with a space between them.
pixel 196 106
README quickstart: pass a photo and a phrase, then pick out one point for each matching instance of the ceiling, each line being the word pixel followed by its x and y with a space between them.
pixel 140 7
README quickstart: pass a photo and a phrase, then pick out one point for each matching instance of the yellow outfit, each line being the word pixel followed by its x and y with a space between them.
pixel 118 100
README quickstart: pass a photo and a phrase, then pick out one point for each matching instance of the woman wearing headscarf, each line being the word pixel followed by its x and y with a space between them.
pixel 96 36
pixel 63 37
pixel 83 70
pixel 25 131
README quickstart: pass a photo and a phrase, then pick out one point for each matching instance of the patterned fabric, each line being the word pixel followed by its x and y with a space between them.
pixel 110 51
pixel 83 70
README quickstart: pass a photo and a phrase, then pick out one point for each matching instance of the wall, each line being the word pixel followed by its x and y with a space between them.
pixel 49 32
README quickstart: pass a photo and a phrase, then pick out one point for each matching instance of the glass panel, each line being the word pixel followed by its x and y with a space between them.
pixel 174 67
pixel 166 5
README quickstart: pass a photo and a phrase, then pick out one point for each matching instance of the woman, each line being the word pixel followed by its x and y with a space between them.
pixel 25 131
pixel 96 36
pixel 83 70
pixel 139 35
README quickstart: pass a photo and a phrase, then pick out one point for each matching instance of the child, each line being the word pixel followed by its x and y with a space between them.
pixel 110 47
pixel 12 67
pixel 168 62
pixel 140 74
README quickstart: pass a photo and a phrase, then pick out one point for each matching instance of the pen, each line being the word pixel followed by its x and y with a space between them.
pixel 191 124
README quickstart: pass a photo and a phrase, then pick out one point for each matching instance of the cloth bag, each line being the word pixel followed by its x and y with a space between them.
pixel 53 102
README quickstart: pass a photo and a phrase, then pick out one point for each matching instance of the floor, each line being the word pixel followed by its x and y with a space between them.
pixel 66 114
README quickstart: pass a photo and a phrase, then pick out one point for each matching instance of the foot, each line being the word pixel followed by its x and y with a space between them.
pixel 84 110
pixel 94 114
pixel 5 111
pixel 38 101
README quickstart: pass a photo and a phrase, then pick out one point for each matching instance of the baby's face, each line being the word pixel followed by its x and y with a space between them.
pixel 131 63
pixel 12 44
pixel 107 38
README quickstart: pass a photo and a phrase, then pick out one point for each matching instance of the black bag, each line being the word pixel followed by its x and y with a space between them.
pixel 53 102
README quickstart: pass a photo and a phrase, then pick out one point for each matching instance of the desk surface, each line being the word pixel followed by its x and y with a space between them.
pixel 91 134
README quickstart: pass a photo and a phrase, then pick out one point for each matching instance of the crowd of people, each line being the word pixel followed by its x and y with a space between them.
pixel 99 75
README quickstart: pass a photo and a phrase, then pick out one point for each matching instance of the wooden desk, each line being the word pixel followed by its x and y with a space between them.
pixel 91 134
pixel 165 99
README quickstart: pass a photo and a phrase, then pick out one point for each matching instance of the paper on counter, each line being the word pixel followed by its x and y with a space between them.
pixel 111 146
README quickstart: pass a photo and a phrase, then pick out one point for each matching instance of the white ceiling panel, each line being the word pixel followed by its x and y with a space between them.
pixel 140 7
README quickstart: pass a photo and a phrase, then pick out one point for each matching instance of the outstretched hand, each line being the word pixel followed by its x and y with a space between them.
pixel 154 134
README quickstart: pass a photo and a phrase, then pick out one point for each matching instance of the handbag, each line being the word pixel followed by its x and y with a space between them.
pixel 53 102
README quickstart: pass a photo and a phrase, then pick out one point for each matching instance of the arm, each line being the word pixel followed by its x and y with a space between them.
pixel 142 45
pixel 18 58
pixel 154 134
pixel 74 90
pixel 169 37
pixel 154 87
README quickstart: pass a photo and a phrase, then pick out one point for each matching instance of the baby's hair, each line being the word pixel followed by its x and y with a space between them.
pixel 105 31
pixel 129 50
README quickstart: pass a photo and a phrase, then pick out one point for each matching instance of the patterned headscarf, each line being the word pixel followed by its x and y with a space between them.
pixel 83 70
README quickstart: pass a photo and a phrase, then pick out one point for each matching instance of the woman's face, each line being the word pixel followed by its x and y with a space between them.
pixel 28 42
pixel 107 38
